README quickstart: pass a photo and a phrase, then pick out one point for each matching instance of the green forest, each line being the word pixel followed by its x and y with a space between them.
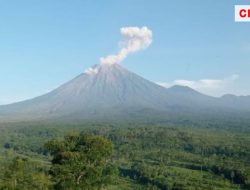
pixel 124 156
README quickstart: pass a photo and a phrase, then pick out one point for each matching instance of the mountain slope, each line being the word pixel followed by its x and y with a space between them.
pixel 108 88
pixel 107 92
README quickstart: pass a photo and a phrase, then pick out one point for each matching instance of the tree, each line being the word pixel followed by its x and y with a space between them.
pixel 24 174
pixel 81 162
pixel 232 175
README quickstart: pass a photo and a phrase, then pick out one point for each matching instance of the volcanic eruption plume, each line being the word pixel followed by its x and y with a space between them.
pixel 134 39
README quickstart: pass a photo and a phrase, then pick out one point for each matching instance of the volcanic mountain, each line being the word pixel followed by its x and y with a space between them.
pixel 110 92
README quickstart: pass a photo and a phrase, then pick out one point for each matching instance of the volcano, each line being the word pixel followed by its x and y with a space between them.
pixel 111 92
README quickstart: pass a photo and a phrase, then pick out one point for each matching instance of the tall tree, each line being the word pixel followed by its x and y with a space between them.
pixel 81 162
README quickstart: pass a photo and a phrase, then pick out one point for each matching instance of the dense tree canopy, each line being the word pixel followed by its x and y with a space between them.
pixel 81 161
pixel 23 174
pixel 148 157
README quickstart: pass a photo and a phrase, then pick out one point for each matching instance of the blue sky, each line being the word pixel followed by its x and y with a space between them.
pixel 197 43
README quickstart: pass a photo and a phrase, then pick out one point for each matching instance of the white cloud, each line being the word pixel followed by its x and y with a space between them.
pixel 214 87
pixel 134 39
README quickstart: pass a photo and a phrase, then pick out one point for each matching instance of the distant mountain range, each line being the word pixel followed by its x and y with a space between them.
pixel 111 92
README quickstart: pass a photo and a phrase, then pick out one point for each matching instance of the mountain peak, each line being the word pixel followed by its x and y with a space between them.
pixel 106 92
pixel 183 89
pixel 104 68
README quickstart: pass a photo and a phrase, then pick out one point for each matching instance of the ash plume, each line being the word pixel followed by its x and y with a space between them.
pixel 134 39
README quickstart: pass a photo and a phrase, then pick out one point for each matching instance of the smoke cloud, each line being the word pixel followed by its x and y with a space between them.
pixel 134 39
pixel 91 71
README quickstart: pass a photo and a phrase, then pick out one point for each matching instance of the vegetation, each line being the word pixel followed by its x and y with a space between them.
pixel 23 174
pixel 142 156
pixel 81 162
